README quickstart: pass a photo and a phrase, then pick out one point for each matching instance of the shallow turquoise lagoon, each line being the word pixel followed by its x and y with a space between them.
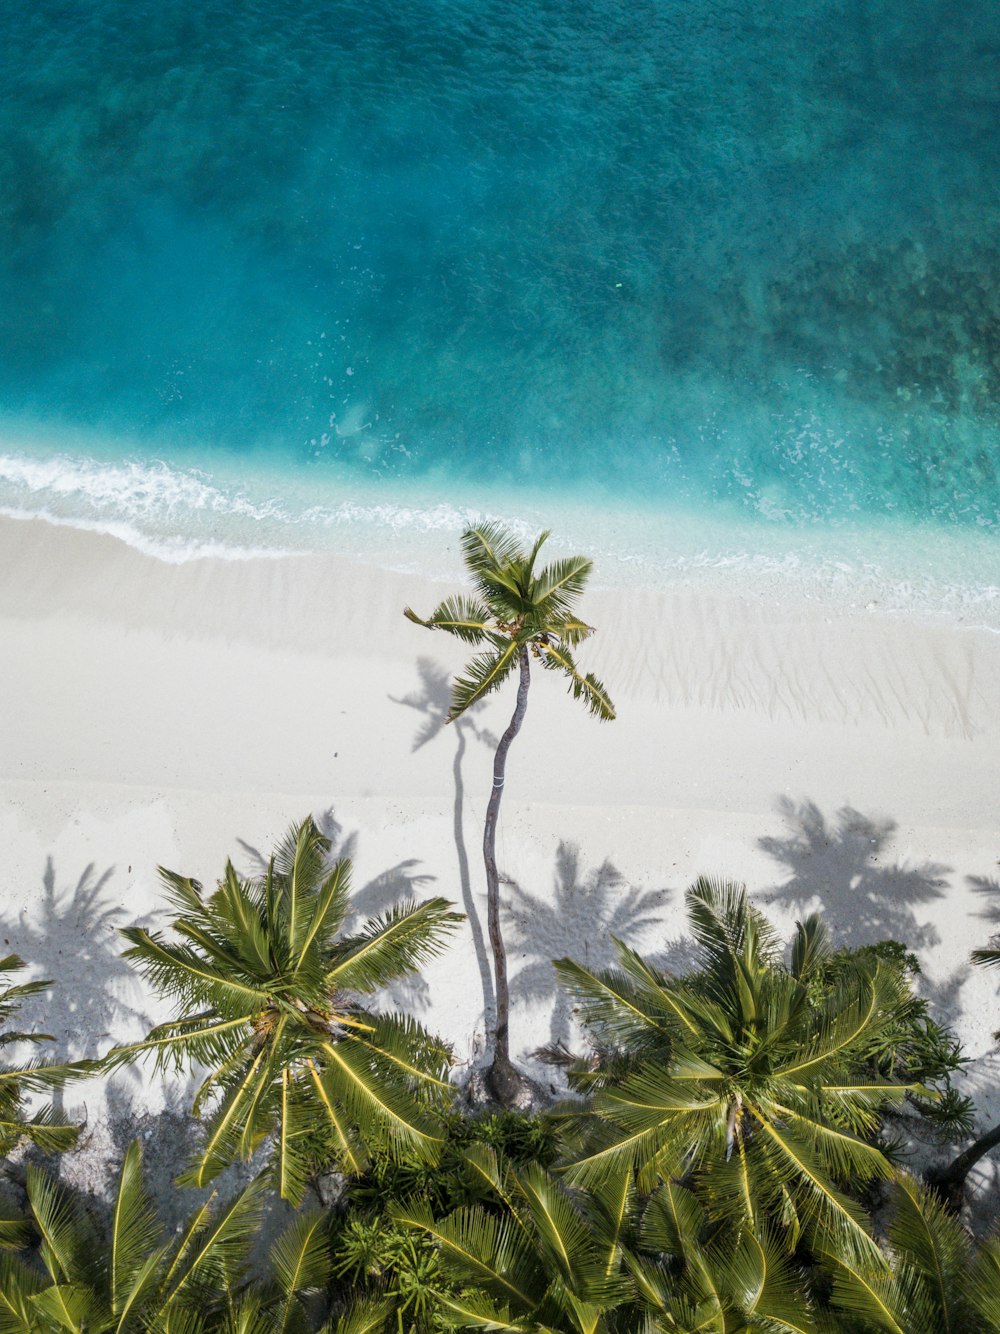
pixel 707 285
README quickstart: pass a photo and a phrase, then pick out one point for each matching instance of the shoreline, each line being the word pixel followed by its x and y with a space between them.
pixel 180 714
pixel 941 573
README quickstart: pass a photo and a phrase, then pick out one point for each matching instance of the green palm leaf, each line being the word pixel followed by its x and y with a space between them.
pixel 984 1285
pixel 483 674
pixel 484 1249
pixel 393 945
pixel 587 688
pixel 67 1244
pixel 135 1249
pixel 43 1129
pixel 300 1260
pixel 467 618
pixel 560 584
pixel 490 546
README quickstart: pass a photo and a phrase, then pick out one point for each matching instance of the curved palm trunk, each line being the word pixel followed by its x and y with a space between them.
pixel 506 1084
pixel 949 1181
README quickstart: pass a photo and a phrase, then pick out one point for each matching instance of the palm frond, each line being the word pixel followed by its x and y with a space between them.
pixel 561 583
pixel 300 865
pixel 300 1260
pixel 181 972
pixel 726 924
pixel 67 1306
pixel 846 1024
pixel 197 1041
pixel 394 945
pixel 833 1214
pixel 556 657
pixel 610 1003
pixel 984 1285
pixel 490 546
pixel 67 1244
pixel 467 618
pixel 232 1123
pixel 810 947
pixel 864 1288
pixel 481 1248
pixel 931 1246
pixel 371 1100
pixel 213 1249
pixel 483 674
pixel 763 1284
pixel 565 1240
pixel 19 1283
pixel 134 1241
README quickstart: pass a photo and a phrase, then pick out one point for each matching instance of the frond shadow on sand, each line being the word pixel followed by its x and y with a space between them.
pixel 578 919
pixel 845 868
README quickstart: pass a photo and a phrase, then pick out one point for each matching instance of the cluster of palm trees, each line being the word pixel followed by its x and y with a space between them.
pixel 712 1172
pixel 724 1159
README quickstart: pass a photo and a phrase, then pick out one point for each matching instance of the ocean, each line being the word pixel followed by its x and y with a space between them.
pixel 709 288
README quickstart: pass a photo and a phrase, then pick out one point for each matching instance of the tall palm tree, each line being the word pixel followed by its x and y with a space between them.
pixel 43 1128
pixel 518 615
pixel 268 995
pixel 736 1078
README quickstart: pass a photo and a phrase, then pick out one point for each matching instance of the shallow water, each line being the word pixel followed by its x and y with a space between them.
pixel 292 275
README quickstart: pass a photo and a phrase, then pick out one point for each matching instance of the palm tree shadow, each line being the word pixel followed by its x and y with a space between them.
pixel 578 919
pixel 342 845
pixel 846 865
pixel 433 700
pixel 73 939
pixel 989 887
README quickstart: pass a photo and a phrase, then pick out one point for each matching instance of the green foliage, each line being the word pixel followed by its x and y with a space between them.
pixel 738 1077
pixel 42 1129
pixel 931 1280
pixel 268 990
pixel 910 1044
pixel 136 1278
pixel 516 611
pixel 396 1266
pixel 542 1255
pixel 451 1181
pixel 397 1271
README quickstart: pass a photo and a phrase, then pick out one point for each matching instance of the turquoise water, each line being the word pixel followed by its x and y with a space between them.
pixel 274 272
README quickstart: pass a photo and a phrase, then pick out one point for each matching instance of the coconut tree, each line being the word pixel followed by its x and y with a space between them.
pixel 737 1079
pixel 268 993
pixel 548 1257
pixel 42 1127
pixel 934 1280
pixel 539 1261
pixel 136 1280
pixel 140 1278
pixel 518 614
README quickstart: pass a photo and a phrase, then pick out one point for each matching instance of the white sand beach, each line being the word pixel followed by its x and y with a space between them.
pixel 178 714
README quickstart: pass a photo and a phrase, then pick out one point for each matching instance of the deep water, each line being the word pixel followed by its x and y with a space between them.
pixel 734 258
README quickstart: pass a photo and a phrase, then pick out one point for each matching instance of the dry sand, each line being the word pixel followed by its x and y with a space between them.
pixel 179 714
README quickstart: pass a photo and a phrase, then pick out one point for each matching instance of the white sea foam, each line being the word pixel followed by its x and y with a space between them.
pixel 178 514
